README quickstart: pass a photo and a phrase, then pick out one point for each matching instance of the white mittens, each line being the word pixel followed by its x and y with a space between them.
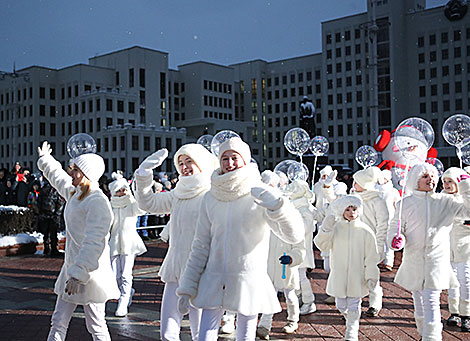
pixel 183 304
pixel 72 286
pixel 267 197
pixel 329 180
pixel 152 161
pixel 328 223
pixel 45 149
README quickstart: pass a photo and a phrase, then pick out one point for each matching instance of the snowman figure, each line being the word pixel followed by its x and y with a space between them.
pixel 409 145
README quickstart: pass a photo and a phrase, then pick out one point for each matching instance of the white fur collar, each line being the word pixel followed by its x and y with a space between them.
pixel 233 185
pixel 191 186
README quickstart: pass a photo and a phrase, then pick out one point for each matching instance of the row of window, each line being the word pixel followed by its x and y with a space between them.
pixel 339 82
pixel 347 51
pixel 349 114
pixel 445 89
pixel 285 107
pixel 218 115
pixel 348 98
pixel 8 97
pixel 293 93
pixel 217 86
pixel 345 36
pixel 432 38
pixel 458 69
pixel 217 102
pixel 347 66
pixel 300 78
pixel 444 55
pixel 446 106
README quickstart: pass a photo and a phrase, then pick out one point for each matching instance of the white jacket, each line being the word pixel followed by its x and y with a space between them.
pixel 426 223
pixel 183 204
pixel 87 233
pixel 124 238
pixel 277 248
pixel 376 216
pixel 353 257
pixel 227 267
pixel 391 196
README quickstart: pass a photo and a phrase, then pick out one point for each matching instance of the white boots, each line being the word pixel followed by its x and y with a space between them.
pixel 352 325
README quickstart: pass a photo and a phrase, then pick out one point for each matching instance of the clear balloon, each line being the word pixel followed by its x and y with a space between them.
pixel 413 138
pixel 80 144
pixel 219 138
pixel 297 141
pixel 436 163
pixel 205 141
pixel 319 145
pixel 465 154
pixel 456 130
pixel 297 171
pixel 367 156
pixel 283 166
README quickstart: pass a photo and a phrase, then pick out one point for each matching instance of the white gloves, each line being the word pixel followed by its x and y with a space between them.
pixel 45 149
pixel 329 180
pixel 267 197
pixel 152 161
pixel 371 284
pixel 328 223
pixel 72 286
pixel 183 304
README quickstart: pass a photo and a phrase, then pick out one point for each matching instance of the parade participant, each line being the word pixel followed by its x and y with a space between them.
pixel 195 165
pixel 354 259
pixel 459 298
pixel 227 267
pixel 426 222
pixel 86 277
pixel 375 215
pixel 391 196
pixel 124 243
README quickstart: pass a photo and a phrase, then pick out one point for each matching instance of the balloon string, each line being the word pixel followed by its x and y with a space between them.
pixel 284 269
pixel 459 155
pixel 402 196
pixel 314 168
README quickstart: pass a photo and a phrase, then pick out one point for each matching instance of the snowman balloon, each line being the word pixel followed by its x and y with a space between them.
pixel 409 144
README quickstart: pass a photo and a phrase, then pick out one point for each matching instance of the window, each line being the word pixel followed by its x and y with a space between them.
pixel 338 52
pixel 458 87
pixel 457 35
pixel 433 72
pixel 420 41
pixel 142 78
pixel 444 37
pixel 347 50
pixel 445 88
pixel 421 58
pixel 109 105
pixel 338 37
pixel 432 56
pixel 135 142
pixel 445 71
pixel 445 54
pixel 328 54
pixel 120 106
pixel 328 38
pixel 432 39
pixel 357 33
pixel 131 78
pixel 422 74
pixel 422 108
pixel 457 52
pixel 457 69
pixel 51 94
pixel 433 90
pixel 422 91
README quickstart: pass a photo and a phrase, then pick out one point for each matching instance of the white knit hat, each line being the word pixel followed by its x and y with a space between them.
pixel 237 145
pixel 341 204
pixel 205 160
pixel 91 165
pixel 366 178
pixel 415 174
pixel 327 170
pixel 453 173
pixel 118 183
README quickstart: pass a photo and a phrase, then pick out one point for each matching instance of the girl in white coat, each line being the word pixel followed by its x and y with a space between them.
pixel 375 215
pixel 459 298
pixel 426 222
pixel 125 243
pixel 195 166
pixel 227 267
pixel 86 278
pixel 354 258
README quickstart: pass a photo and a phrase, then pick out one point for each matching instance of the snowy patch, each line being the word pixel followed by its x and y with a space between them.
pixel 25 238
pixel 13 208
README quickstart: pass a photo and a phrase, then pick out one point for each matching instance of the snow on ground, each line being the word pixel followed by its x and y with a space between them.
pixel 25 238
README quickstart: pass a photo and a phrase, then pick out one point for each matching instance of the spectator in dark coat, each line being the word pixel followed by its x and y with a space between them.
pixel 10 193
pixel 50 208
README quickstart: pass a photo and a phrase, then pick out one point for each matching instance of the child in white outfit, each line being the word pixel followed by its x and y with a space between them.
pixel 125 243
pixel 354 257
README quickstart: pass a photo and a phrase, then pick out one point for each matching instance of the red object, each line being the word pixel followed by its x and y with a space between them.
pixel 20 176
pixel 382 140
pixel 432 152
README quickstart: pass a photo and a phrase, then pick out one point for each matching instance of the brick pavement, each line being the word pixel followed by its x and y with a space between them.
pixel 27 301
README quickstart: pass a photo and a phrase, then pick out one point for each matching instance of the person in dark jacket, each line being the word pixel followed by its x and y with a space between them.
pixel 3 180
pixel 50 209
pixel 10 193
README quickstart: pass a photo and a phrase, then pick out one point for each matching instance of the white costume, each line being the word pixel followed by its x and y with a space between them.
pixel 88 222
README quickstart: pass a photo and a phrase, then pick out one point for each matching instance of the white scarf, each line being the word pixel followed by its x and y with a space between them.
pixel 120 202
pixel 233 185
pixel 191 186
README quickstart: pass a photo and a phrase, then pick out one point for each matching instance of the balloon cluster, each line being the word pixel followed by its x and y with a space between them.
pixel 80 144
pixel 456 131
pixel 367 156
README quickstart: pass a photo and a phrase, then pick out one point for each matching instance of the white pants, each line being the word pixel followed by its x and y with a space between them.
pixel 427 313
pixel 210 322
pixel 389 256
pixel 292 302
pixel 94 318
pixel 170 317
pixel 326 261
pixel 306 287
pixel 350 307
pixel 375 296
pixel 122 267
pixel 459 298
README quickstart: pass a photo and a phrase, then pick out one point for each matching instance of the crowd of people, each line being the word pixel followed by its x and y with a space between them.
pixel 237 237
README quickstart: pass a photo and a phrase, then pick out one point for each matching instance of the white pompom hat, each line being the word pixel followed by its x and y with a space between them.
pixel 366 178
pixel 205 160
pixel 453 173
pixel 237 145
pixel 118 183
pixel 91 165
pixel 342 203
pixel 327 170
pixel 416 172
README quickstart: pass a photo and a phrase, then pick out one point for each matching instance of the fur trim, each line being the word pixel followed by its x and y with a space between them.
pixel 205 160
pixel 339 205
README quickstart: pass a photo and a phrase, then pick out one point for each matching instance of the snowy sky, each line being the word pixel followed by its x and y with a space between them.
pixel 59 33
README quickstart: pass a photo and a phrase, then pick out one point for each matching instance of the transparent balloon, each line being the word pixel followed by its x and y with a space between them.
pixel 436 163
pixel 297 141
pixel 465 154
pixel 80 144
pixel 456 130
pixel 319 145
pixel 413 138
pixel 219 138
pixel 297 171
pixel 367 156
pixel 205 141
pixel 283 166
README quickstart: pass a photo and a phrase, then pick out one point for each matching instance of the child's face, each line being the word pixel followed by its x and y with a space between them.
pixel 358 187
pixel 350 213
pixel 427 182
pixel 449 185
